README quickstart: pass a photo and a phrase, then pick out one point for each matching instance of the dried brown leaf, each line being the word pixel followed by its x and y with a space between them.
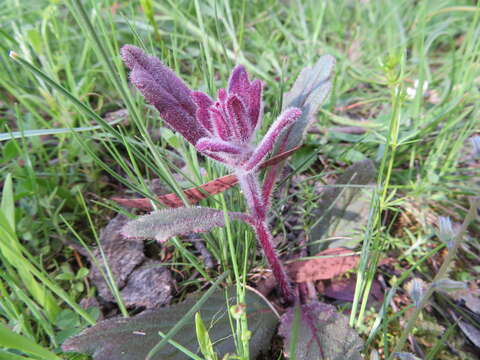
pixel 338 262
pixel 122 257
pixel 148 286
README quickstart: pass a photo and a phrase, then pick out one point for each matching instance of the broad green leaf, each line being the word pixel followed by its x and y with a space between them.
pixel 321 334
pixel 11 340
pixel 344 208
pixel 166 223
pixel 133 338
pixel 308 93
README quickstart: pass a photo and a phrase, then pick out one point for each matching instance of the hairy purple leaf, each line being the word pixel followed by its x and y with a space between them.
pixel 321 334
pixel 203 102
pixel 251 192
pixel 286 119
pixel 250 93
pixel 232 120
pixel 165 90
pixel 218 146
pixel 237 113
pixel 166 223
pixel 449 285
pixel 445 230
pixel 132 338
pixel 238 82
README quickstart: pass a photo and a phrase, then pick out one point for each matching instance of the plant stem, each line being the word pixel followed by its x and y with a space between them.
pixel 259 210
pixel 442 272
pixel 264 236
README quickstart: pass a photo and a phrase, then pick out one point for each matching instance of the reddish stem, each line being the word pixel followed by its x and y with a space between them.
pixel 259 209
pixel 265 238
pixel 271 177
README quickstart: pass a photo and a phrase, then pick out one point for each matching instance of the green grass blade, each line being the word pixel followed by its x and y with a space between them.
pixel 11 340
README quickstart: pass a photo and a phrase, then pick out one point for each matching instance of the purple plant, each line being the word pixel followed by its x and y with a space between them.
pixel 224 130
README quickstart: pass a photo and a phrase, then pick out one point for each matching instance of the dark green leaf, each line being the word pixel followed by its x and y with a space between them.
pixel 344 208
pixel 133 338
pixel 303 158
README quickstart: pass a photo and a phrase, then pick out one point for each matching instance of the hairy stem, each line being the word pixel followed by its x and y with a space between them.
pixel 264 236
pixel 272 173
pixel 259 209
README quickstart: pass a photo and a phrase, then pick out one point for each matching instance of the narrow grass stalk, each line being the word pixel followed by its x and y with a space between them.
pixel 181 348
pixel 383 314
pixel 12 253
pixel 11 340
pixel 372 248
pixel 110 278
pixel 103 48
pixel 242 324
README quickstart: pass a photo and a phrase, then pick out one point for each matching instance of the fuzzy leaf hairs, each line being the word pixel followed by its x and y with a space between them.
pixel 164 90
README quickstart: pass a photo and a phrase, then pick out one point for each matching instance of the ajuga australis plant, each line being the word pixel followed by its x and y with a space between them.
pixel 224 130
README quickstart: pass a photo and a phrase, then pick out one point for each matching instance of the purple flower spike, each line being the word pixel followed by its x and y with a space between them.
pixel 250 93
pixel 232 121
pixel 221 129
pixel 218 146
pixel 163 89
